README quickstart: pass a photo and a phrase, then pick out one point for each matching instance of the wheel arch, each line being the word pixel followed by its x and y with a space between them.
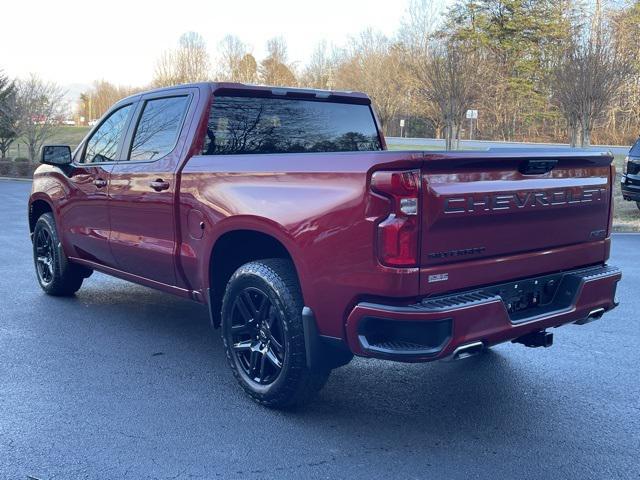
pixel 37 207
pixel 237 246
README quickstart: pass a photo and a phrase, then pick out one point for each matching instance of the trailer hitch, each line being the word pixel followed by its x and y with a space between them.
pixel 541 338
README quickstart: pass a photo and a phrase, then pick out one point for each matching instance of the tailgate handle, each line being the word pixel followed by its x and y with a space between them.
pixel 537 167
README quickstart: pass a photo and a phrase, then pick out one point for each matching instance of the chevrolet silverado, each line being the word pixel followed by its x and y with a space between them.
pixel 282 210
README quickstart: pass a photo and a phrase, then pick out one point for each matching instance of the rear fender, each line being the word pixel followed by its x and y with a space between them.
pixel 259 225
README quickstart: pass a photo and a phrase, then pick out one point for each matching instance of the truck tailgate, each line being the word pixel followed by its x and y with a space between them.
pixel 500 204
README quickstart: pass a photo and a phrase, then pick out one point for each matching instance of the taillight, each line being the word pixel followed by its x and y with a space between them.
pixel 612 179
pixel 399 233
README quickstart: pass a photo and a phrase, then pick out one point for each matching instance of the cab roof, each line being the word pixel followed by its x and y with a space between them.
pixel 245 89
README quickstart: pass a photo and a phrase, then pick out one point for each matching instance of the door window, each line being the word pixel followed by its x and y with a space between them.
pixel 103 144
pixel 158 128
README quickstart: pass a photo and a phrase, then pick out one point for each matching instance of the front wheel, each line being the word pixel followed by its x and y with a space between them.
pixel 263 335
pixel 55 274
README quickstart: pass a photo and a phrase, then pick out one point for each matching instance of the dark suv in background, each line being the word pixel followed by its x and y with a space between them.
pixel 631 175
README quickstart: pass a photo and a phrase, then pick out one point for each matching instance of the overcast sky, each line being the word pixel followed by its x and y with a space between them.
pixel 76 42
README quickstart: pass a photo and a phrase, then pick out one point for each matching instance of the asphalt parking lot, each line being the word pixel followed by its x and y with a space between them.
pixel 125 382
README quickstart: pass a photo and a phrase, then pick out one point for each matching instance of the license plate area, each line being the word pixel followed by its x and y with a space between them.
pixel 532 297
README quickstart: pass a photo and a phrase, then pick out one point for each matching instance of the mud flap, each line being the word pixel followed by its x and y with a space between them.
pixel 322 352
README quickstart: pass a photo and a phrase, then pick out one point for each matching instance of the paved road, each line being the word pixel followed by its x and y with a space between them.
pixel 125 382
pixel 483 144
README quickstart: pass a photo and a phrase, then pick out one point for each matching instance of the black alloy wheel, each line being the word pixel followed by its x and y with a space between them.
pixel 44 256
pixel 263 334
pixel 56 275
pixel 257 336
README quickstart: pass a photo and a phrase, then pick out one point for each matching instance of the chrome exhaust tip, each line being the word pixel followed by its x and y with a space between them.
pixel 466 351
pixel 593 316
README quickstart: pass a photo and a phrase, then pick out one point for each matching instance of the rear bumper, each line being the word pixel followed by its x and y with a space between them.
pixel 435 327
pixel 630 186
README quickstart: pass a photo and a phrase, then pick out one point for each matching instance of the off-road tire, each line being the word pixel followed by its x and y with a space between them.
pixel 63 278
pixel 295 384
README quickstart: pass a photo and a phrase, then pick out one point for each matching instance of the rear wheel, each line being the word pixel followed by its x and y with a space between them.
pixel 55 274
pixel 263 335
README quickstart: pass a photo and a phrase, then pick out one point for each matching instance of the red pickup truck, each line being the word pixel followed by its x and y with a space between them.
pixel 282 210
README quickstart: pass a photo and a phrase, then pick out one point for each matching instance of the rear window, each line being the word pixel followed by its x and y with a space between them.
pixel 272 125
pixel 635 150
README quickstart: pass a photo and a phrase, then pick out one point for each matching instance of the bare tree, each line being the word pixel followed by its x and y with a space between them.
pixel 42 106
pixel 248 69
pixel 448 79
pixel 165 73
pixel 235 61
pixel 623 118
pixel 321 69
pixel 9 115
pixel 418 26
pixel 566 94
pixel 416 37
pixel 587 78
pixel 230 51
pixel 189 62
pixel 275 69
pixel 372 64
pixel 94 102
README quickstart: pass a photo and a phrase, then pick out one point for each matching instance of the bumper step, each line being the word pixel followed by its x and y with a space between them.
pixel 434 327
pixel 527 298
pixel 456 301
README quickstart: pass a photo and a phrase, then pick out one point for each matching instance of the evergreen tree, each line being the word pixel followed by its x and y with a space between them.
pixel 519 41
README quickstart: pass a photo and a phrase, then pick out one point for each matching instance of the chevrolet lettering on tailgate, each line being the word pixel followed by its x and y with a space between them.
pixel 521 200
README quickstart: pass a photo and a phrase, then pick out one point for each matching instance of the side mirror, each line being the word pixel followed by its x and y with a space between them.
pixel 56 155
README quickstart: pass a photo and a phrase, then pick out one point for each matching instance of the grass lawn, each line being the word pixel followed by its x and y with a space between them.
pixel 626 215
pixel 412 147
pixel 64 135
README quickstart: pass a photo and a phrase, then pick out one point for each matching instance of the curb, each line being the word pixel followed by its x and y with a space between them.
pixel 16 179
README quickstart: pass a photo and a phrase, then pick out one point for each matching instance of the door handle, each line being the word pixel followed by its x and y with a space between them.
pixel 99 182
pixel 159 185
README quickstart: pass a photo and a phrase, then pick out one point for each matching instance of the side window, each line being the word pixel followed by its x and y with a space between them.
pixel 103 144
pixel 158 128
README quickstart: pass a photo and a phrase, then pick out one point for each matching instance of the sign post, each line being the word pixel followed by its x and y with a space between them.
pixel 401 126
pixel 471 115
